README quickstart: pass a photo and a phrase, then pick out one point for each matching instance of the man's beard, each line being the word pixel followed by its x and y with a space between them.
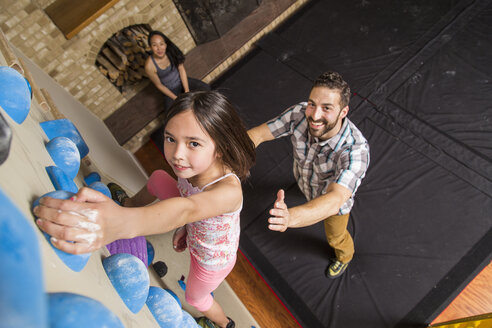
pixel 328 126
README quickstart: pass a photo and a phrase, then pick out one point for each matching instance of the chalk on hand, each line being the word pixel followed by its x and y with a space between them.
pixel 76 262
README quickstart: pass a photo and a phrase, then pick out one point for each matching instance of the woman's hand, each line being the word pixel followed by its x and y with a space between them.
pixel 179 239
pixel 82 224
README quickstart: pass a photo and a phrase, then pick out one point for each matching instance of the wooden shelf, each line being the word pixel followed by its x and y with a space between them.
pixel 72 16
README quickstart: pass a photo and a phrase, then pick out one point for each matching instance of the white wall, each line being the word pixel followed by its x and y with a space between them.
pixel 113 161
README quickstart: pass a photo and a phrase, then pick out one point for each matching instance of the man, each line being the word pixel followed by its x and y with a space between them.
pixel 331 157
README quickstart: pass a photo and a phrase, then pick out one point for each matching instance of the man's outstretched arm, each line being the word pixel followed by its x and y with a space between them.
pixel 260 134
pixel 309 213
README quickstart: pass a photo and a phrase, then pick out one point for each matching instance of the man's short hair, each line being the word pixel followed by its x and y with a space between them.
pixel 333 80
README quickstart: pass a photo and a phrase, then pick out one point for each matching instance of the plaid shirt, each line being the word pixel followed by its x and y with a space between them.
pixel 342 159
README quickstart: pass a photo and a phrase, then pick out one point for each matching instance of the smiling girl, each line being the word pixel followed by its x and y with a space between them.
pixel 209 150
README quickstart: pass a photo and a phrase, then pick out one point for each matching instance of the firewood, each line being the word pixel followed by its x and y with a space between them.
pixel 117 50
pixel 112 71
pixel 115 59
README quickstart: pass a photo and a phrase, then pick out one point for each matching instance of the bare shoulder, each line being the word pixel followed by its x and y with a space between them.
pixel 230 182
pixel 227 191
pixel 149 66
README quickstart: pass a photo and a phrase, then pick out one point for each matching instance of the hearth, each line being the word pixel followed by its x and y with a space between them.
pixel 122 57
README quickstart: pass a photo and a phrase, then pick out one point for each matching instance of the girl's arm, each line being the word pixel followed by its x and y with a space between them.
pixel 184 78
pixel 152 74
pixel 92 220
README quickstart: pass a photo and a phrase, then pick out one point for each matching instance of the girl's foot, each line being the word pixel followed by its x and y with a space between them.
pixel 207 323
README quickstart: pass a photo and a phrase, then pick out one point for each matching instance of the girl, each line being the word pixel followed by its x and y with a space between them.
pixel 165 68
pixel 209 151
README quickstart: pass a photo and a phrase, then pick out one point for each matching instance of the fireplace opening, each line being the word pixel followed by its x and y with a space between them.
pixel 122 58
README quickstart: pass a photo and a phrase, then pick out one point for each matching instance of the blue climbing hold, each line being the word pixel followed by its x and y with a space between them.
pixel 5 139
pixel 175 296
pixel 163 306
pixel 182 284
pixel 101 187
pixel 130 278
pixel 78 311
pixel 188 321
pixel 65 128
pixel 29 87
pixel 75 262
pixel 150 253
pixel 15 98
pixel 60 180
pixel 22 298
pixel 92 177
pixel 65 155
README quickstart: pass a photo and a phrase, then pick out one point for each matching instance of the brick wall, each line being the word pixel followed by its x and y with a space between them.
pixel 71 62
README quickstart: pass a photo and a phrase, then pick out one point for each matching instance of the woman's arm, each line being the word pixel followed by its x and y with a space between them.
pixel 92 220
pixel 184 78
pixel 152 75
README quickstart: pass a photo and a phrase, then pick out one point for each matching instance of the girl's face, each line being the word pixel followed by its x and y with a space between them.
pixel 189 150
pixel 158 45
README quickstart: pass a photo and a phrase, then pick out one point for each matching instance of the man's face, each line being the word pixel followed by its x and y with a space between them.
pixel 323 112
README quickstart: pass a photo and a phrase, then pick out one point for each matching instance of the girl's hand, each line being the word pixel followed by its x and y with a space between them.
pixel 179 239
pixel 82 224
pixel 279 220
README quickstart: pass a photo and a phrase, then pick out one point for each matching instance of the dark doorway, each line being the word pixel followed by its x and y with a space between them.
pixel 208 20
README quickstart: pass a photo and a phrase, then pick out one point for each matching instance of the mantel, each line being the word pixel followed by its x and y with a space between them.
pixel 72 16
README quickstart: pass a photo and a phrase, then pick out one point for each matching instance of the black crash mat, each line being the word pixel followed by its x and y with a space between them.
pixel 422 219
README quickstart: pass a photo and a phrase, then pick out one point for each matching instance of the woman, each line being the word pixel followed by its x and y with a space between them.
pixel 165 68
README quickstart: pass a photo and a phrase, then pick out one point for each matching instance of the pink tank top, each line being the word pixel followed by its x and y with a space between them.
pixel 213 241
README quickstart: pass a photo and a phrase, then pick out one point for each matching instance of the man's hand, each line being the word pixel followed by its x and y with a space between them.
pixel 279 220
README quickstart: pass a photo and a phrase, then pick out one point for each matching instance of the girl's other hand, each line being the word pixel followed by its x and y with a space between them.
pixel 82 224
pixel 179 239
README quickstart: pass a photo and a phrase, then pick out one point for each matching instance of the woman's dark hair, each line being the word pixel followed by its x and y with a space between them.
pixel 333 80
pixel 174 54
pixel 220 120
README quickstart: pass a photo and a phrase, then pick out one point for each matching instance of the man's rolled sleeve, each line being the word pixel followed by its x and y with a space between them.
pixel 353 164
pixel 285 123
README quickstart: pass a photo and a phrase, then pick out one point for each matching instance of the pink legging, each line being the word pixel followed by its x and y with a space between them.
pixel 201 283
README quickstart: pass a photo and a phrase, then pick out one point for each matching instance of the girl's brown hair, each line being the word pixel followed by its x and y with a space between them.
pixel 220 120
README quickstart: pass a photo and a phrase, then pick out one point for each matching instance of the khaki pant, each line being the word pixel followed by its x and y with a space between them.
pixel 339 238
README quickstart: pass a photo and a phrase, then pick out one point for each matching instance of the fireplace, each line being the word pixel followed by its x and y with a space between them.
pixel 122 57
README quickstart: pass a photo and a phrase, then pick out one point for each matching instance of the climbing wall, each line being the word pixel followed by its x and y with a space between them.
pixel 43 153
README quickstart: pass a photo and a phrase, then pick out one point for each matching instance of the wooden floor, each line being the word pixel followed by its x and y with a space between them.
pixel 269 312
